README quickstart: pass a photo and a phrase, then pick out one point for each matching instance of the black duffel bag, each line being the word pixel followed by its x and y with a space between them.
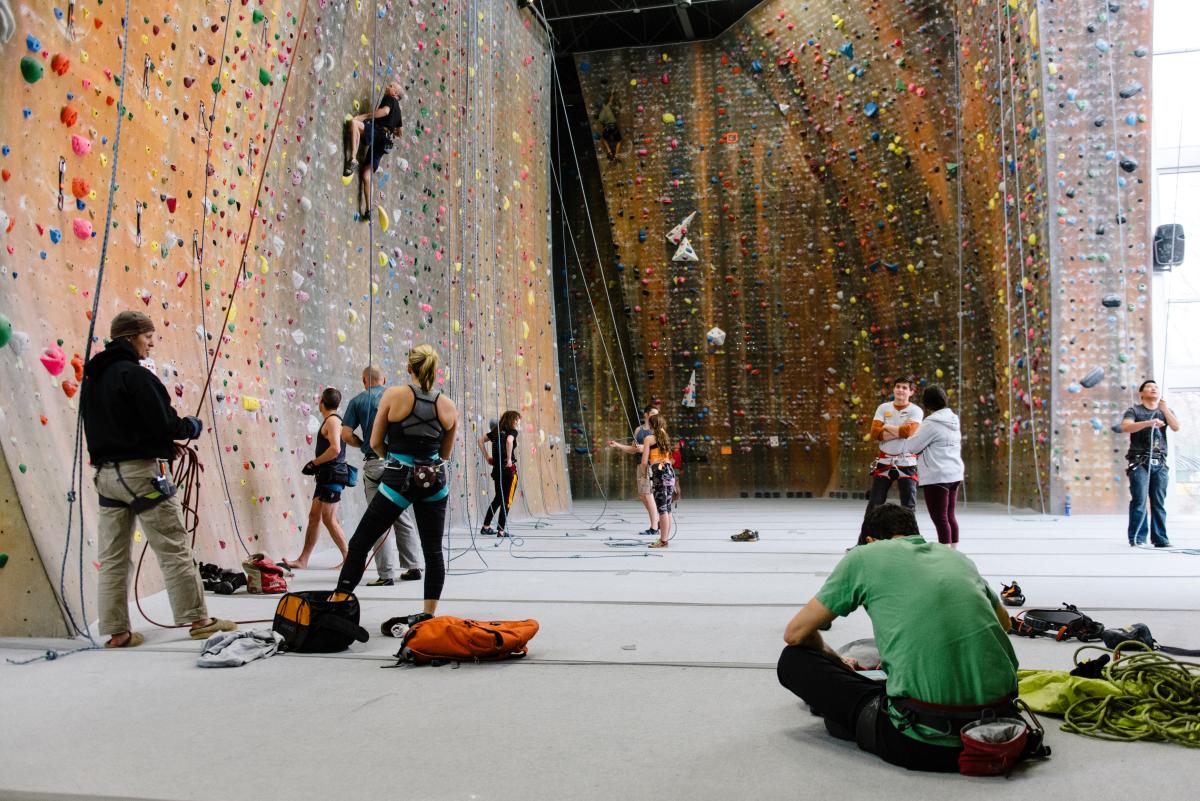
pixel 311 623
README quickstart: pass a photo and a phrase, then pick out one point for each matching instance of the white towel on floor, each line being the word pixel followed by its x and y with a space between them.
pixel 236 648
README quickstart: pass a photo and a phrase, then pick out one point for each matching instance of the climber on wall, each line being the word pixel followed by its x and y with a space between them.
pixel 366 139
pixel 131 427
pixel 610 134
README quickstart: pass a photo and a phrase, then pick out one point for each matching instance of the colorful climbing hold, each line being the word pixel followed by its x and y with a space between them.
pixel 31 69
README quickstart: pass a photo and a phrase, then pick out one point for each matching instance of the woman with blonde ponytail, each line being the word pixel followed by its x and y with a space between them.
pixel 414 432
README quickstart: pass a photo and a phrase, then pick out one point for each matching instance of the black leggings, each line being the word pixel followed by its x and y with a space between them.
pixel 839 694
pixel 500 504
pixel 379 517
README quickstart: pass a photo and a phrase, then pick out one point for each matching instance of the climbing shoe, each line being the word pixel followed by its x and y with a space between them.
pixel 230 582
pixel 487 531
pixel 746 535
pixel 649 532
pixel 412 574
pixel 1011 594
pixel 380 582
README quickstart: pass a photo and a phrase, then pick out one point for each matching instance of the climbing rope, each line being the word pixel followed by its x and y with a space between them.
pixel 76 489
pixel 1159 700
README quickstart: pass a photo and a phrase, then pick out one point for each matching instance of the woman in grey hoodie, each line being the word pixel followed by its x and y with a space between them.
pixel 938 445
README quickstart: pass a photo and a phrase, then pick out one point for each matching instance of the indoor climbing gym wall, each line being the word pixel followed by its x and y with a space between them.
pixel 232 226
pixel 1097 80
pixel 824 198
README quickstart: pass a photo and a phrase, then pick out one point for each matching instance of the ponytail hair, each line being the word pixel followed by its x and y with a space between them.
pixel 423 360
pixel 658 429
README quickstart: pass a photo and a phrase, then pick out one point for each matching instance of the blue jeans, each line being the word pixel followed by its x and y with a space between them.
pixel 1148 483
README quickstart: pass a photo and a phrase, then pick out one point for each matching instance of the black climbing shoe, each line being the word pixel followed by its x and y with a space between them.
pixel 746 535
pixel 412 574
pixel 1011 594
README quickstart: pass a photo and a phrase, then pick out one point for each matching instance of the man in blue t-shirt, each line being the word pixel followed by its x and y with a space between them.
pixel 1146 423
pixel 360 414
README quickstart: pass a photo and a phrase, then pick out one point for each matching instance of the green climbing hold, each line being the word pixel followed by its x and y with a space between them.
pixel 216 85
pixel 31 70
pixel 22 467
pixel 264 77
pixel 258 16
pixel 3 559
pixel 5 330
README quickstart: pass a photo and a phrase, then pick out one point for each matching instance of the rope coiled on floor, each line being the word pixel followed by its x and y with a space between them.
pixel 1159 700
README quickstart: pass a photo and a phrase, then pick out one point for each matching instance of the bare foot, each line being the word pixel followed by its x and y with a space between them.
pixel 120 640
pixel 290 565
pixel 199 624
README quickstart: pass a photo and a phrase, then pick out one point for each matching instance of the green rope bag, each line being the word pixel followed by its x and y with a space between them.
pixel 1160 699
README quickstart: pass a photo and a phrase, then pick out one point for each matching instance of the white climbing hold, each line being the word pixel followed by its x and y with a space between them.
pixel 685 252
pixel 716 337
pixel 677 234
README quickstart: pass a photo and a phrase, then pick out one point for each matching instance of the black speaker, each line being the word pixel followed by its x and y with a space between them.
pixel 1168 246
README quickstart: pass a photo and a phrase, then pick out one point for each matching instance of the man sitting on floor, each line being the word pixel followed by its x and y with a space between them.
pixel 942 638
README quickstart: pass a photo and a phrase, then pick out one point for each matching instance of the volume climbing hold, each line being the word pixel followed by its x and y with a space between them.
pixel 716 337
pixel 31 69
pixel 1093 378
pixel 54 360
pixel 5 330
pixel 1111 301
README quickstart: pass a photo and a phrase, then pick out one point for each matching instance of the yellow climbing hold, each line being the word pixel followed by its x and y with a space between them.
pixel 383 219
pixel 938 372
pixel 457 326
pixel 352 316
pixel 341 335
pixel 524 330
pixel 668 118
pixel 263 267
pixel 251 403
pixel 383 259
pixel 346 179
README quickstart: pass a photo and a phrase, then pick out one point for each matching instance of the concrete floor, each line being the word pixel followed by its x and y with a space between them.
pixel 652 676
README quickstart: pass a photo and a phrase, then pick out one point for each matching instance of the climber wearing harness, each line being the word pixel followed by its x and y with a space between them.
pixel 415 426
pixel 367 139
pixel 131 427
pixel 610 133
pixel 328 467
pixel 503 459
pixel 894 421
pixel 1146 424
pixel 645 489
pixel 942 638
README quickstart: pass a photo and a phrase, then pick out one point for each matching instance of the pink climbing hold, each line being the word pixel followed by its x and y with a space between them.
pixel 82 228
pixel 54 360
pixel 81 145
pixel 425 307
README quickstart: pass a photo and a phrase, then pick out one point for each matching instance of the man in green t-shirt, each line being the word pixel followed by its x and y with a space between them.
pixel 942 639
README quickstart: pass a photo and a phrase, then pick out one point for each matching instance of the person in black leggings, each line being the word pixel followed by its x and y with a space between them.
pixel 503 459
pixel 415 426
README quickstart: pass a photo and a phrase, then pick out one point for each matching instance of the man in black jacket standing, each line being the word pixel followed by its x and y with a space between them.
pixel 131 427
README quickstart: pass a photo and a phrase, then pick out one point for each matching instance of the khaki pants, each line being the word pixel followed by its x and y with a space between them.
pixel 162 526
pixel 407 548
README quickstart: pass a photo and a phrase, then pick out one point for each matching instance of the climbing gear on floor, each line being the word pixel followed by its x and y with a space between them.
pixel 398 626
pixel 1011 595
pixel 217 579
pixel 1063 624
pixel 263 577
pixel 992 746
pixel 315 622
pixel 441 640
pixel 745 535
pixel 1140 632
pixel 1159 699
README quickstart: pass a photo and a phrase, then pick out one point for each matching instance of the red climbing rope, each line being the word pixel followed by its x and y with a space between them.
pixel 188 467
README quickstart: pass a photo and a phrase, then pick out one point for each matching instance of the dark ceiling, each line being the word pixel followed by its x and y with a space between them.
pixel 585 25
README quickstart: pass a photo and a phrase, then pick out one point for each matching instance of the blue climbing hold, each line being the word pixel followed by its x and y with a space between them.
pixel 871 109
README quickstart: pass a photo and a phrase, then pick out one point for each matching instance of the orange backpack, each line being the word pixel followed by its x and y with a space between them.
pixel 444 639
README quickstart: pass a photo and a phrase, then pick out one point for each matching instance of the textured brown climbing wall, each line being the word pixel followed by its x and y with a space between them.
pixel 459 257
pixel 862 211
pixel 1097 78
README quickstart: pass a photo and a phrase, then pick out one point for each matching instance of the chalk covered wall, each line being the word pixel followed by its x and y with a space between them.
pixel 856 207
pixel 1097 76
pixel 461 260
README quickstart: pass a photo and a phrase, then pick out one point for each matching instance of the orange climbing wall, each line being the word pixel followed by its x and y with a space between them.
pixel 462 263
pixel 862 211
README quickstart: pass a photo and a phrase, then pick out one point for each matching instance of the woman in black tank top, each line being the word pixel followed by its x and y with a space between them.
pixel 328 465
pixel 414 430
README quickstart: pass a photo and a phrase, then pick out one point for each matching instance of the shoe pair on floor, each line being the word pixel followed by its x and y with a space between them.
pixel 412 574
pixel 488 531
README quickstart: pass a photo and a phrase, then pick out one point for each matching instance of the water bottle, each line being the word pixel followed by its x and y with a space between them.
pixel 1067 508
